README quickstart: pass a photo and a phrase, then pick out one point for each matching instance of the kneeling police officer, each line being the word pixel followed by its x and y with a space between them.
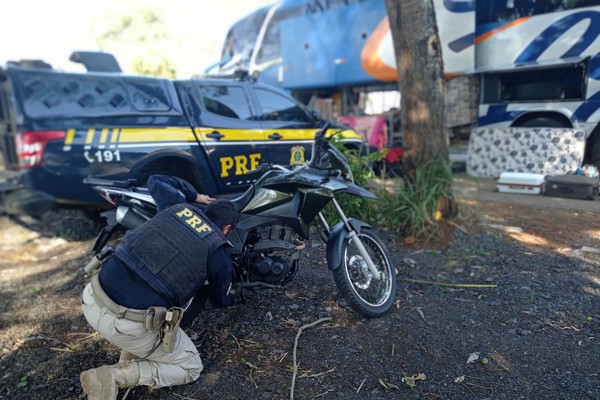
pixel 137 300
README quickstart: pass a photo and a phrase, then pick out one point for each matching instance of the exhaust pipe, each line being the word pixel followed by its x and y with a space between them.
pixel 127 217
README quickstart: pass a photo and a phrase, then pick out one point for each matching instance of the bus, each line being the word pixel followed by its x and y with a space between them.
pixel 535 63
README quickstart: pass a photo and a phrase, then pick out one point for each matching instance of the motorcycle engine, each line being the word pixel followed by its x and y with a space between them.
pixel 269 269
pixel 274 254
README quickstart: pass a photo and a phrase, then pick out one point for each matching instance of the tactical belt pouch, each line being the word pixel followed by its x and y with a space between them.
pixel 171 328
pixel 155 318
pixel 94 264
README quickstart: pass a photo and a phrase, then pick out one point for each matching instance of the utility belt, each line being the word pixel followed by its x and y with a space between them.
pixel 165 321
pixel 103 300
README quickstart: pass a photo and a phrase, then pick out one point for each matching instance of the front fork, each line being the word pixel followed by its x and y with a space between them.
pixel 350 231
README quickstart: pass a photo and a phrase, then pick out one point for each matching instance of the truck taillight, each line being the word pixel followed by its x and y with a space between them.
pixel 30 146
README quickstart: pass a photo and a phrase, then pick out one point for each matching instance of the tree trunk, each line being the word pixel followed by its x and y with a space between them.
pixel 420 80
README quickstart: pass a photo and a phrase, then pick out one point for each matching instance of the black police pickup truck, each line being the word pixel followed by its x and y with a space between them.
pixel 57 128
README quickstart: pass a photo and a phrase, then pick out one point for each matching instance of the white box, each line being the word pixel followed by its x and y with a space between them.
pixel 520 182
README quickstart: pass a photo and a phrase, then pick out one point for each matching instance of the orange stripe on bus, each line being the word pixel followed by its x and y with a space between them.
pixel 493 32
pixel 370 59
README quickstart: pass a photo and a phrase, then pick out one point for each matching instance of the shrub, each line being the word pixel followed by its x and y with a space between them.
pixel 411 209
pixel 415 207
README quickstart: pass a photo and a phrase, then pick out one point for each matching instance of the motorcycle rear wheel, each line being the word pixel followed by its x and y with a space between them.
pixel 366 295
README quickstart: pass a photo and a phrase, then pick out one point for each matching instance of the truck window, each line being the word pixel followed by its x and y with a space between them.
pixel 226 101
pixel 276 107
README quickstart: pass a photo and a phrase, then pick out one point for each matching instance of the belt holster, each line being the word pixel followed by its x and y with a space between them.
pixel 170 329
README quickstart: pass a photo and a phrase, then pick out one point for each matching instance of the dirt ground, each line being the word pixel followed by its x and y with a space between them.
pixel 507 308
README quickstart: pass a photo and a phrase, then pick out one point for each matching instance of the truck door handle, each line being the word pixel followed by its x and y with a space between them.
pixel 216 135
pixel 275 136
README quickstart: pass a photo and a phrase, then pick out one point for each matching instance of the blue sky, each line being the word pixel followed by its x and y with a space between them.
pixel 51 30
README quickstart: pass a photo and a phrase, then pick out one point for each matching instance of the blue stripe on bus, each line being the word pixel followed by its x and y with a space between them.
pixel 594 72
pixel 462 43
pixel 585 110
pixel 497 113
pixel 556 30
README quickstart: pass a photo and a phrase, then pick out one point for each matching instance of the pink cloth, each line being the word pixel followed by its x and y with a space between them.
pixel 372 128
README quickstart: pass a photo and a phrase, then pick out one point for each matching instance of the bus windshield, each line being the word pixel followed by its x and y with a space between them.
pixel 242 36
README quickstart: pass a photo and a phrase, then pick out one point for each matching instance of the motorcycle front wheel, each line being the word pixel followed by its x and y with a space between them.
pixel 365 294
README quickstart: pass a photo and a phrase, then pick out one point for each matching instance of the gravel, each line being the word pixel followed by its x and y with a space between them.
pixel 531 312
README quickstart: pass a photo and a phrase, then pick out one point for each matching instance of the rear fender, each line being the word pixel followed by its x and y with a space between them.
pixel 337 238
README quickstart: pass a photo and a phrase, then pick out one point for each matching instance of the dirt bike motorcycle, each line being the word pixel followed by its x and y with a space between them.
pixel 277 212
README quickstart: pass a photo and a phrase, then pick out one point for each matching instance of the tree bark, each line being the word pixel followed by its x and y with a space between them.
pixel 420 80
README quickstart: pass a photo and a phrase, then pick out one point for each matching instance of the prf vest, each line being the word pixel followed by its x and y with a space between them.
pixel 171 250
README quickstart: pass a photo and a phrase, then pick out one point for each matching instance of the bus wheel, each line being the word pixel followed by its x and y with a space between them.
pixel 593 149
pixel 544 122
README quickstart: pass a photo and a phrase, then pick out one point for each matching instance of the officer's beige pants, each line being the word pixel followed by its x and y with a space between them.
pixel 159 369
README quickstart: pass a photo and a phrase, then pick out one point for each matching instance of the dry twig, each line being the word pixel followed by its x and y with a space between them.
pixel 361 385
pixel 317 375
pixel 295 366
pixel 460 285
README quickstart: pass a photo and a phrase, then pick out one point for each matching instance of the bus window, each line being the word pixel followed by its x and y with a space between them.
pixel 492 11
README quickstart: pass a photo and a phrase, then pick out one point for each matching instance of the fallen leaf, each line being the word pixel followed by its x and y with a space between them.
pixel 411 380
pixel 410 262
pixel 420 312
pixel 473 357
pixel 410 240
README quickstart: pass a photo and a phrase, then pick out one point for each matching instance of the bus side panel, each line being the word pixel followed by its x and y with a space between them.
pixel 322 56
pixel 541 38
pixel 456 29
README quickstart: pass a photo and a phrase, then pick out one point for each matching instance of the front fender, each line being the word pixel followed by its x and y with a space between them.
pixel 357 191
pixel 337 238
